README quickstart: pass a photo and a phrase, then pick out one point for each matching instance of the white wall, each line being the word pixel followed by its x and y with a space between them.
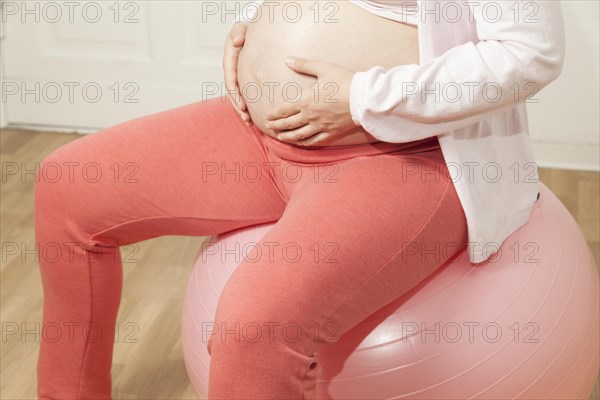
pixel 93 64
pixel 564 124
pixel 3 121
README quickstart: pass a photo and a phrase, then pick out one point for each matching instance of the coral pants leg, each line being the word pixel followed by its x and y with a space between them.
pixel 356 227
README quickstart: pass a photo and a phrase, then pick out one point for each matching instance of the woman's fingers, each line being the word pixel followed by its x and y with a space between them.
pixel 319 137
pixel 239 39
pixel 230 74
pixel 286 124
pixel 233 45
pixel 237 33
pixel 299 134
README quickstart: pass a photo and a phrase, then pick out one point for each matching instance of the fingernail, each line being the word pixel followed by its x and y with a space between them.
pixel 290 60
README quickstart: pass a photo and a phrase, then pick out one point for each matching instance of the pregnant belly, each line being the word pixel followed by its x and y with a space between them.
pixel 333 31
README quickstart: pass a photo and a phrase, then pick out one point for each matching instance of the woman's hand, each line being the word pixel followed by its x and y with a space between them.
pixel 233 45
pixel 321 113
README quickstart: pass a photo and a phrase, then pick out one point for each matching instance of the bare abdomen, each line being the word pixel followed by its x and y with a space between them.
pixel 337 32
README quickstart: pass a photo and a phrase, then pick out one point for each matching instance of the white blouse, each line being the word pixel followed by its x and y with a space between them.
pixel 480 61
pixel 401 11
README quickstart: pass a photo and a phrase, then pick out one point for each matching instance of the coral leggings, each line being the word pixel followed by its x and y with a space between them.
pixel 367 218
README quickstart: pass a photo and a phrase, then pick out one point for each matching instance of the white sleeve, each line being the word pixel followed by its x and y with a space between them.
pixel 514 57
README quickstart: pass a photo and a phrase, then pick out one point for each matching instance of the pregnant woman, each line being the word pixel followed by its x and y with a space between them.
pixel 362 162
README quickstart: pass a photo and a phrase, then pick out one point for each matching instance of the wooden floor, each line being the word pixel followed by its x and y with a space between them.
pixel 153 367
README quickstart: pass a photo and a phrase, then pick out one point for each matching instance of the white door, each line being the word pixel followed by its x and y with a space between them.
pixel 84 65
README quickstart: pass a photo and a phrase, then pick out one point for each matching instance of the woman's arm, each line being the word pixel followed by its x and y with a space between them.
pixel 517 55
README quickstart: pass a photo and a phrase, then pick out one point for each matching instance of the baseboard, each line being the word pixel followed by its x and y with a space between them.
pixel 581 157
pixel 53 128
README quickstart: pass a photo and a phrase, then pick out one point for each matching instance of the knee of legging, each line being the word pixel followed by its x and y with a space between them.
pixel 262 319
pixel 52 179
pixel 61 193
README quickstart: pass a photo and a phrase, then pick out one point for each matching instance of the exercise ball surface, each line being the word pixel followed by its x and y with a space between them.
pixel 522 325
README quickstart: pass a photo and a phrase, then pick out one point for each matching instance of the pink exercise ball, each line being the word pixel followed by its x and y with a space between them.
pixel 523 325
